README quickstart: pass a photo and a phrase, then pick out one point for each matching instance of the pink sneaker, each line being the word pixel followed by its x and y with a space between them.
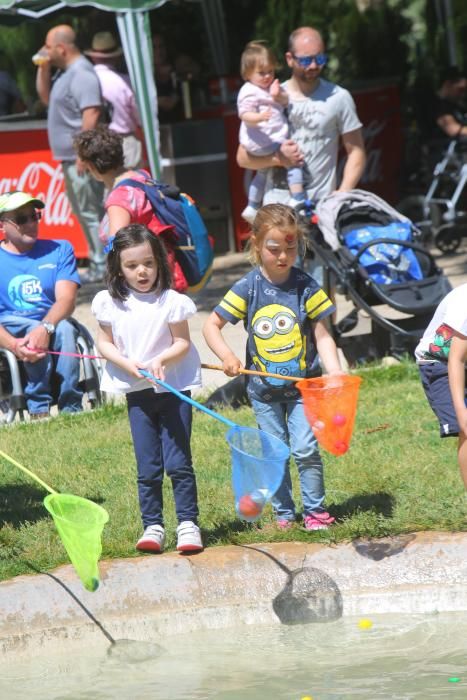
pixel 318 521
pixel 284 524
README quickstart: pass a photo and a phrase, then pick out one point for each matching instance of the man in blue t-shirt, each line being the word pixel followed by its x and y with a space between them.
pixel 38 287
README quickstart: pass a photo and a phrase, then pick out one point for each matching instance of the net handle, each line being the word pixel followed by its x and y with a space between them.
pixel 256 372
pixel 28 472
pixel 150 377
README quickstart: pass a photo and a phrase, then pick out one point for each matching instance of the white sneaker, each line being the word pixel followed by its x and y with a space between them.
pixel 249 214
pixel 189 537
pixel 153 539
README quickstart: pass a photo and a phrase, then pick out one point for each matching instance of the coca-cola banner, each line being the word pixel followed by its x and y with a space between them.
pixel 26 164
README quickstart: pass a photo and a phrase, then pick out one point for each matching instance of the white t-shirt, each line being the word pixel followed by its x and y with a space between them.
pixel 265 135
pixel 140 329
pixel 451 314
pixel 316 124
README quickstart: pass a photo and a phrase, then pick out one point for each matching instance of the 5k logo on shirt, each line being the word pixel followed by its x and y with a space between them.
pixel 25 291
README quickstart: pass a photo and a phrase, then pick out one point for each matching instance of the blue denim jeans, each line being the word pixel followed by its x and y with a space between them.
pixel 161 430
pixel 38 389
pixel 287 421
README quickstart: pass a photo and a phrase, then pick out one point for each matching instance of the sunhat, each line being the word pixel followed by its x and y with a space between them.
pixel 104 45
pixel 14 200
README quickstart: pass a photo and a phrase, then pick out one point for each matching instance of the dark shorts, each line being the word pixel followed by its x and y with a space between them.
pixel 435 382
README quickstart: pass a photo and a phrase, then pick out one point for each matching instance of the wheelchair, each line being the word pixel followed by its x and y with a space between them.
pixel 12 379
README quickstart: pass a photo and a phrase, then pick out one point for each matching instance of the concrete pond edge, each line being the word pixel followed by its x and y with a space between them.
pixel 149 597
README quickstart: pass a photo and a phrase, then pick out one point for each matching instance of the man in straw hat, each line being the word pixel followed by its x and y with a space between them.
pixel 118 95
pixel 38 288
pixel 74 100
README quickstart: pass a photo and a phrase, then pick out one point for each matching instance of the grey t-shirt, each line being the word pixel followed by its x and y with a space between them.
pixel 73 90
pixel 316 124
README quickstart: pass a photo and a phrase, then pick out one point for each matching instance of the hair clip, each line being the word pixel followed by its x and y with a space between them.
pixel 110 245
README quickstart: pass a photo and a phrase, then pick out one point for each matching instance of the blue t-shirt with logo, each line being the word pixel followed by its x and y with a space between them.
pixel 27 280
pixel 279 321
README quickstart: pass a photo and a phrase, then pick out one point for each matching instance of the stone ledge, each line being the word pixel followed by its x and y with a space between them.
pixel 286 582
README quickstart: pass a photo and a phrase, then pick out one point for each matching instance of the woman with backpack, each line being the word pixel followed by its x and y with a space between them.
pixel 101 151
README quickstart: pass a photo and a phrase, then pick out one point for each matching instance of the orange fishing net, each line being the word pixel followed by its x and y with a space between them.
pixel 330 407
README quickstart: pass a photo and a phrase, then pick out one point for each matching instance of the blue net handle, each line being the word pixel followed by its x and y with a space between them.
pixel 199 406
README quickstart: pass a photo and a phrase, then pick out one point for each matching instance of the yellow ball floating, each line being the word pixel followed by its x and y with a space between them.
pixel 365 624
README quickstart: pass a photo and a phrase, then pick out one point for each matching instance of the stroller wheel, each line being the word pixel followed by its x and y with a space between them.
pixel 448 239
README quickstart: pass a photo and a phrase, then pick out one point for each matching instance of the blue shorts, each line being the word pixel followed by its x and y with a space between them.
pixel 435 382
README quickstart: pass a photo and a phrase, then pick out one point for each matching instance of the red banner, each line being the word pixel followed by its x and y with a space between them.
pixel 379 110
pixel 26 164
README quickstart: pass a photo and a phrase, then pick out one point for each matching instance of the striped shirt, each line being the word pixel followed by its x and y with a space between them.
pixel 279 321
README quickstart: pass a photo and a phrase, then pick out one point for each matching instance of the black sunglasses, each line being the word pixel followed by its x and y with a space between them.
pixel 22 219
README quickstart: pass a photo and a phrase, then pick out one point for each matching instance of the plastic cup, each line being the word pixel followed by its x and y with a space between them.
pixel 40 58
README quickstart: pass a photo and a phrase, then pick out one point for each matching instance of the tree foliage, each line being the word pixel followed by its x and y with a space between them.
pixel 21 38
pixel 366 40
pixel 362 44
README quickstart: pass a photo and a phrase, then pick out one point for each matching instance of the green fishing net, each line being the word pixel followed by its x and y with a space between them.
pixel 79 523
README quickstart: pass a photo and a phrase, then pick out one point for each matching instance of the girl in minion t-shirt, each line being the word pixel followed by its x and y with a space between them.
pixel 283 310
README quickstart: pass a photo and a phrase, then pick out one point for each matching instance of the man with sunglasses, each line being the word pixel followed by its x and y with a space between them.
pixel 38 287
pixel 322 115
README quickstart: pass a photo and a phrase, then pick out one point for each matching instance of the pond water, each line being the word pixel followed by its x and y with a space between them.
pixel 397 657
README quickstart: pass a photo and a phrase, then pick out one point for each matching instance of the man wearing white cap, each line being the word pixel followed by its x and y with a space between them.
pixel 38 287
pixel 118 95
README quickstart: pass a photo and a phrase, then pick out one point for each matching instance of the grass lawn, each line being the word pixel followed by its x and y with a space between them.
pixel 398 477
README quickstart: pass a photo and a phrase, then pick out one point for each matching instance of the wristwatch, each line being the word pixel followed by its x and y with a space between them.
pixel 49 327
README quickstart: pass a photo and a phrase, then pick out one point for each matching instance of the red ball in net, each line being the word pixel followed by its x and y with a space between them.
pixel 248 507
pixel 340 447
pixel 339 419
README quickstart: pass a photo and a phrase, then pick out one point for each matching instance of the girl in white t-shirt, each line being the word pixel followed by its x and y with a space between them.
pixel 143 324
pixel 261 105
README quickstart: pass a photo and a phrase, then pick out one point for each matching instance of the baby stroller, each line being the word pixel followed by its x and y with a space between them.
pixel 440 214
pixel 370 253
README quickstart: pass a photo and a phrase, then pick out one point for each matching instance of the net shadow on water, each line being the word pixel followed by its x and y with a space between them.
pixel 72 595
pixel 309 594
pixel 120 650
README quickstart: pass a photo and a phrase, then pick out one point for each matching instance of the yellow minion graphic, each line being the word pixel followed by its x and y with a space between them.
pixel 278 340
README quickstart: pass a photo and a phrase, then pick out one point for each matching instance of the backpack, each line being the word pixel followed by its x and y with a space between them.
pixel 194 251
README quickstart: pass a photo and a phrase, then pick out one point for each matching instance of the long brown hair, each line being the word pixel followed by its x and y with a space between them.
pixel 129 237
